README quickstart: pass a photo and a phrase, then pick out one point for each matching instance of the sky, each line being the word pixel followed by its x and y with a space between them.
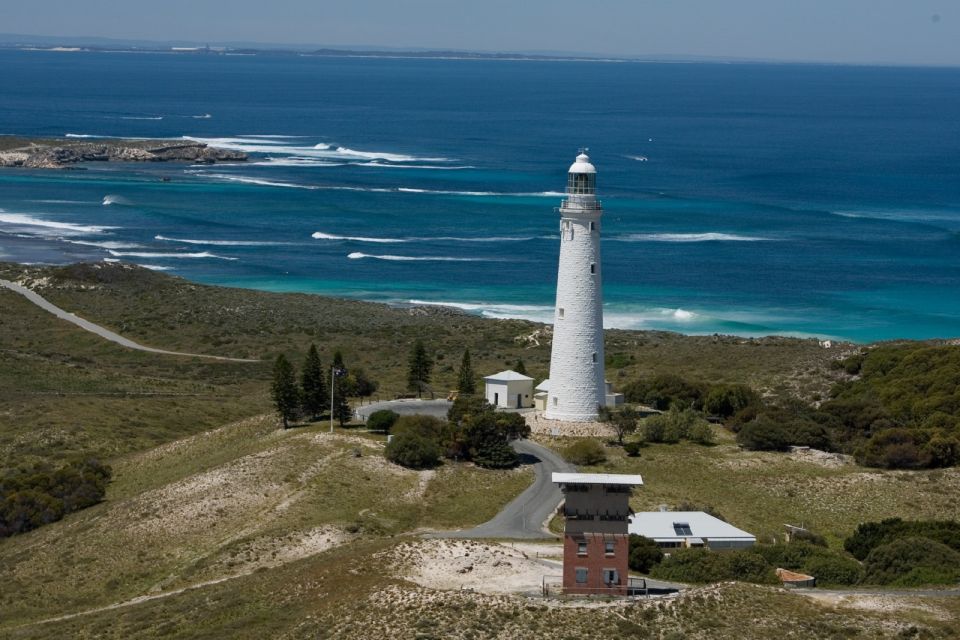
pixel 925 32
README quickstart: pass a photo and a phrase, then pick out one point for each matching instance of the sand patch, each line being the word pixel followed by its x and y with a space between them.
pixel 465 564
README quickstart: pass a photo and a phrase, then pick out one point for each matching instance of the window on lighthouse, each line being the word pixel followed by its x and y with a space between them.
pixel 593 267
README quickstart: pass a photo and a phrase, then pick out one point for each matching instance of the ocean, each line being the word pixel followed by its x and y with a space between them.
pixel 746 199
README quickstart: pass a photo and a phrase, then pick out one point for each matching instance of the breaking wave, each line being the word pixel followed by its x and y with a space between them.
pixel 24 220
pixel 107 244
pixel 319 235
pixel 222 243
pixel 281 145
pixel 112 199
pixel 156 254
pixel 687 237
pixel 141 117
pixel 359 256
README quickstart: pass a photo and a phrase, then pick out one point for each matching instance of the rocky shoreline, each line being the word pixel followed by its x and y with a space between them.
pixel 62 153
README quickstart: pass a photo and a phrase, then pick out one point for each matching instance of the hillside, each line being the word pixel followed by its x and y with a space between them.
pixel 219 524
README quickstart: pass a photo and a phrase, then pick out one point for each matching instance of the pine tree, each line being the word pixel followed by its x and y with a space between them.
pixel 420 366
pixel 466 380
pixel 520 368
pixel 286 396
pixel 316 398
pixel 341 389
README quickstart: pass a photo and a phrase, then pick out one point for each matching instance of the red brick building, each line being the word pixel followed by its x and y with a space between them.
pixel 595 540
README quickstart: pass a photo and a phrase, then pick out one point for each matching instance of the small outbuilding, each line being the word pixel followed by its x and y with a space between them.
pixel 685 529
pixel 509 390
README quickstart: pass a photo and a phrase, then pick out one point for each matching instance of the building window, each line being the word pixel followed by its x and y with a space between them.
pixel 593 226
pixel 593 267
pixel 581 548
pixel 560 313
pixel 609 548
pixel 611 576
pixel 682 529
pixel 581 575
pixel 594 357
pixel 554 400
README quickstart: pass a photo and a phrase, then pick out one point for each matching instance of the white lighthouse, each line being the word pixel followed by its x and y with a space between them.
pixel 577 387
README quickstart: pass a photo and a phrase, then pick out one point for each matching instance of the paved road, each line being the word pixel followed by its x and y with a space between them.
pixel 525 516
pixel 436 408
pixel 104 333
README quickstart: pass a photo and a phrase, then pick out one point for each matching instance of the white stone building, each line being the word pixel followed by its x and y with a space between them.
pixel 509 390
pixel 577 387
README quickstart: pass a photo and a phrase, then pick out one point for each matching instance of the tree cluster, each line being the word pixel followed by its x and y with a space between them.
pixel 473 431
pixel 40 494
pixel 310 396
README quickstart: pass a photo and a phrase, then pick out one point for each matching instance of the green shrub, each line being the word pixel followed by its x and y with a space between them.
pixel 632 448
pixel 382 420
pixel 413 450
pixel 834 570
pixel 425 426
pixel 585 452
pixel 665 390
pixel 37 495
pixel 701 433
pixel 726 400
pixel 912 562
pixel 763 435
pixel 644 553
pixel 870 535
pixel 703 565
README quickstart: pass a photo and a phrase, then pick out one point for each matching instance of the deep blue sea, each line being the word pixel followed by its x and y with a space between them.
pixel 745 199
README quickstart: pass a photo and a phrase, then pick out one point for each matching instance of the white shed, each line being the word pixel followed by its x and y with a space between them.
pixel 509 389
pixel 681 529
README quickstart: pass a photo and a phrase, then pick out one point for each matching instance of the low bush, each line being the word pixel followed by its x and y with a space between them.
pixel 870 535
pixel 586 452
pixel 912 562
pixel 34 496
pixel 703 565
pixel 632 448
pixel 829 567
pixel 413 450
pixel 382 420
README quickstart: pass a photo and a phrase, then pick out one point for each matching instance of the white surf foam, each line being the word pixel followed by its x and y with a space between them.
pixel 495 194
pixel 158 254
pixel 141 117
pixel 275 144
pixel 24 220
pixel 359 256
pixel 259 181
pixel 111 199
pixel 638 158
pixel 59 201
pixel 205 116
pixel 222 243
pixel 536 313
pixel 319 235
pixel 107 244
pixel 687 237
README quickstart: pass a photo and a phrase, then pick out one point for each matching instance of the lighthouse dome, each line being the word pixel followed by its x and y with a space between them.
pixel 582 165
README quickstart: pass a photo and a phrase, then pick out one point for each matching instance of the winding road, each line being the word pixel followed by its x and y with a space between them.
pixel 526 515
pixel 103 332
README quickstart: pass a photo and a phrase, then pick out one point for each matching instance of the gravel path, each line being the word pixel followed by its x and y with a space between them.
pixel 104 333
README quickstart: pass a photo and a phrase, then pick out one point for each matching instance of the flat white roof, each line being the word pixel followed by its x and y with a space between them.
pixel 659 525
pixel 596 478
pixel 508 375
pixel 544 386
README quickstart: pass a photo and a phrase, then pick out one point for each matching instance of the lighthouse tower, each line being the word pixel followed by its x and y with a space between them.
pixel 577 387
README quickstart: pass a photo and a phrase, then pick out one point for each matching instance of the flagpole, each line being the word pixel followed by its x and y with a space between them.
pixel 333 370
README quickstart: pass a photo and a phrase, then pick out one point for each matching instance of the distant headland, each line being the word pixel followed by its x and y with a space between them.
pixel 61 153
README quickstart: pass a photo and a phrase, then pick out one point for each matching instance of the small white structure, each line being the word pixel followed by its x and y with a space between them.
pixel 541 391
pixel 577 388
pixel 509 390
pixel 613 399
pixel 684 529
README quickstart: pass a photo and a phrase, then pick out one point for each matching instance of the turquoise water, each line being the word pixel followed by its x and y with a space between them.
pixel 743 199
